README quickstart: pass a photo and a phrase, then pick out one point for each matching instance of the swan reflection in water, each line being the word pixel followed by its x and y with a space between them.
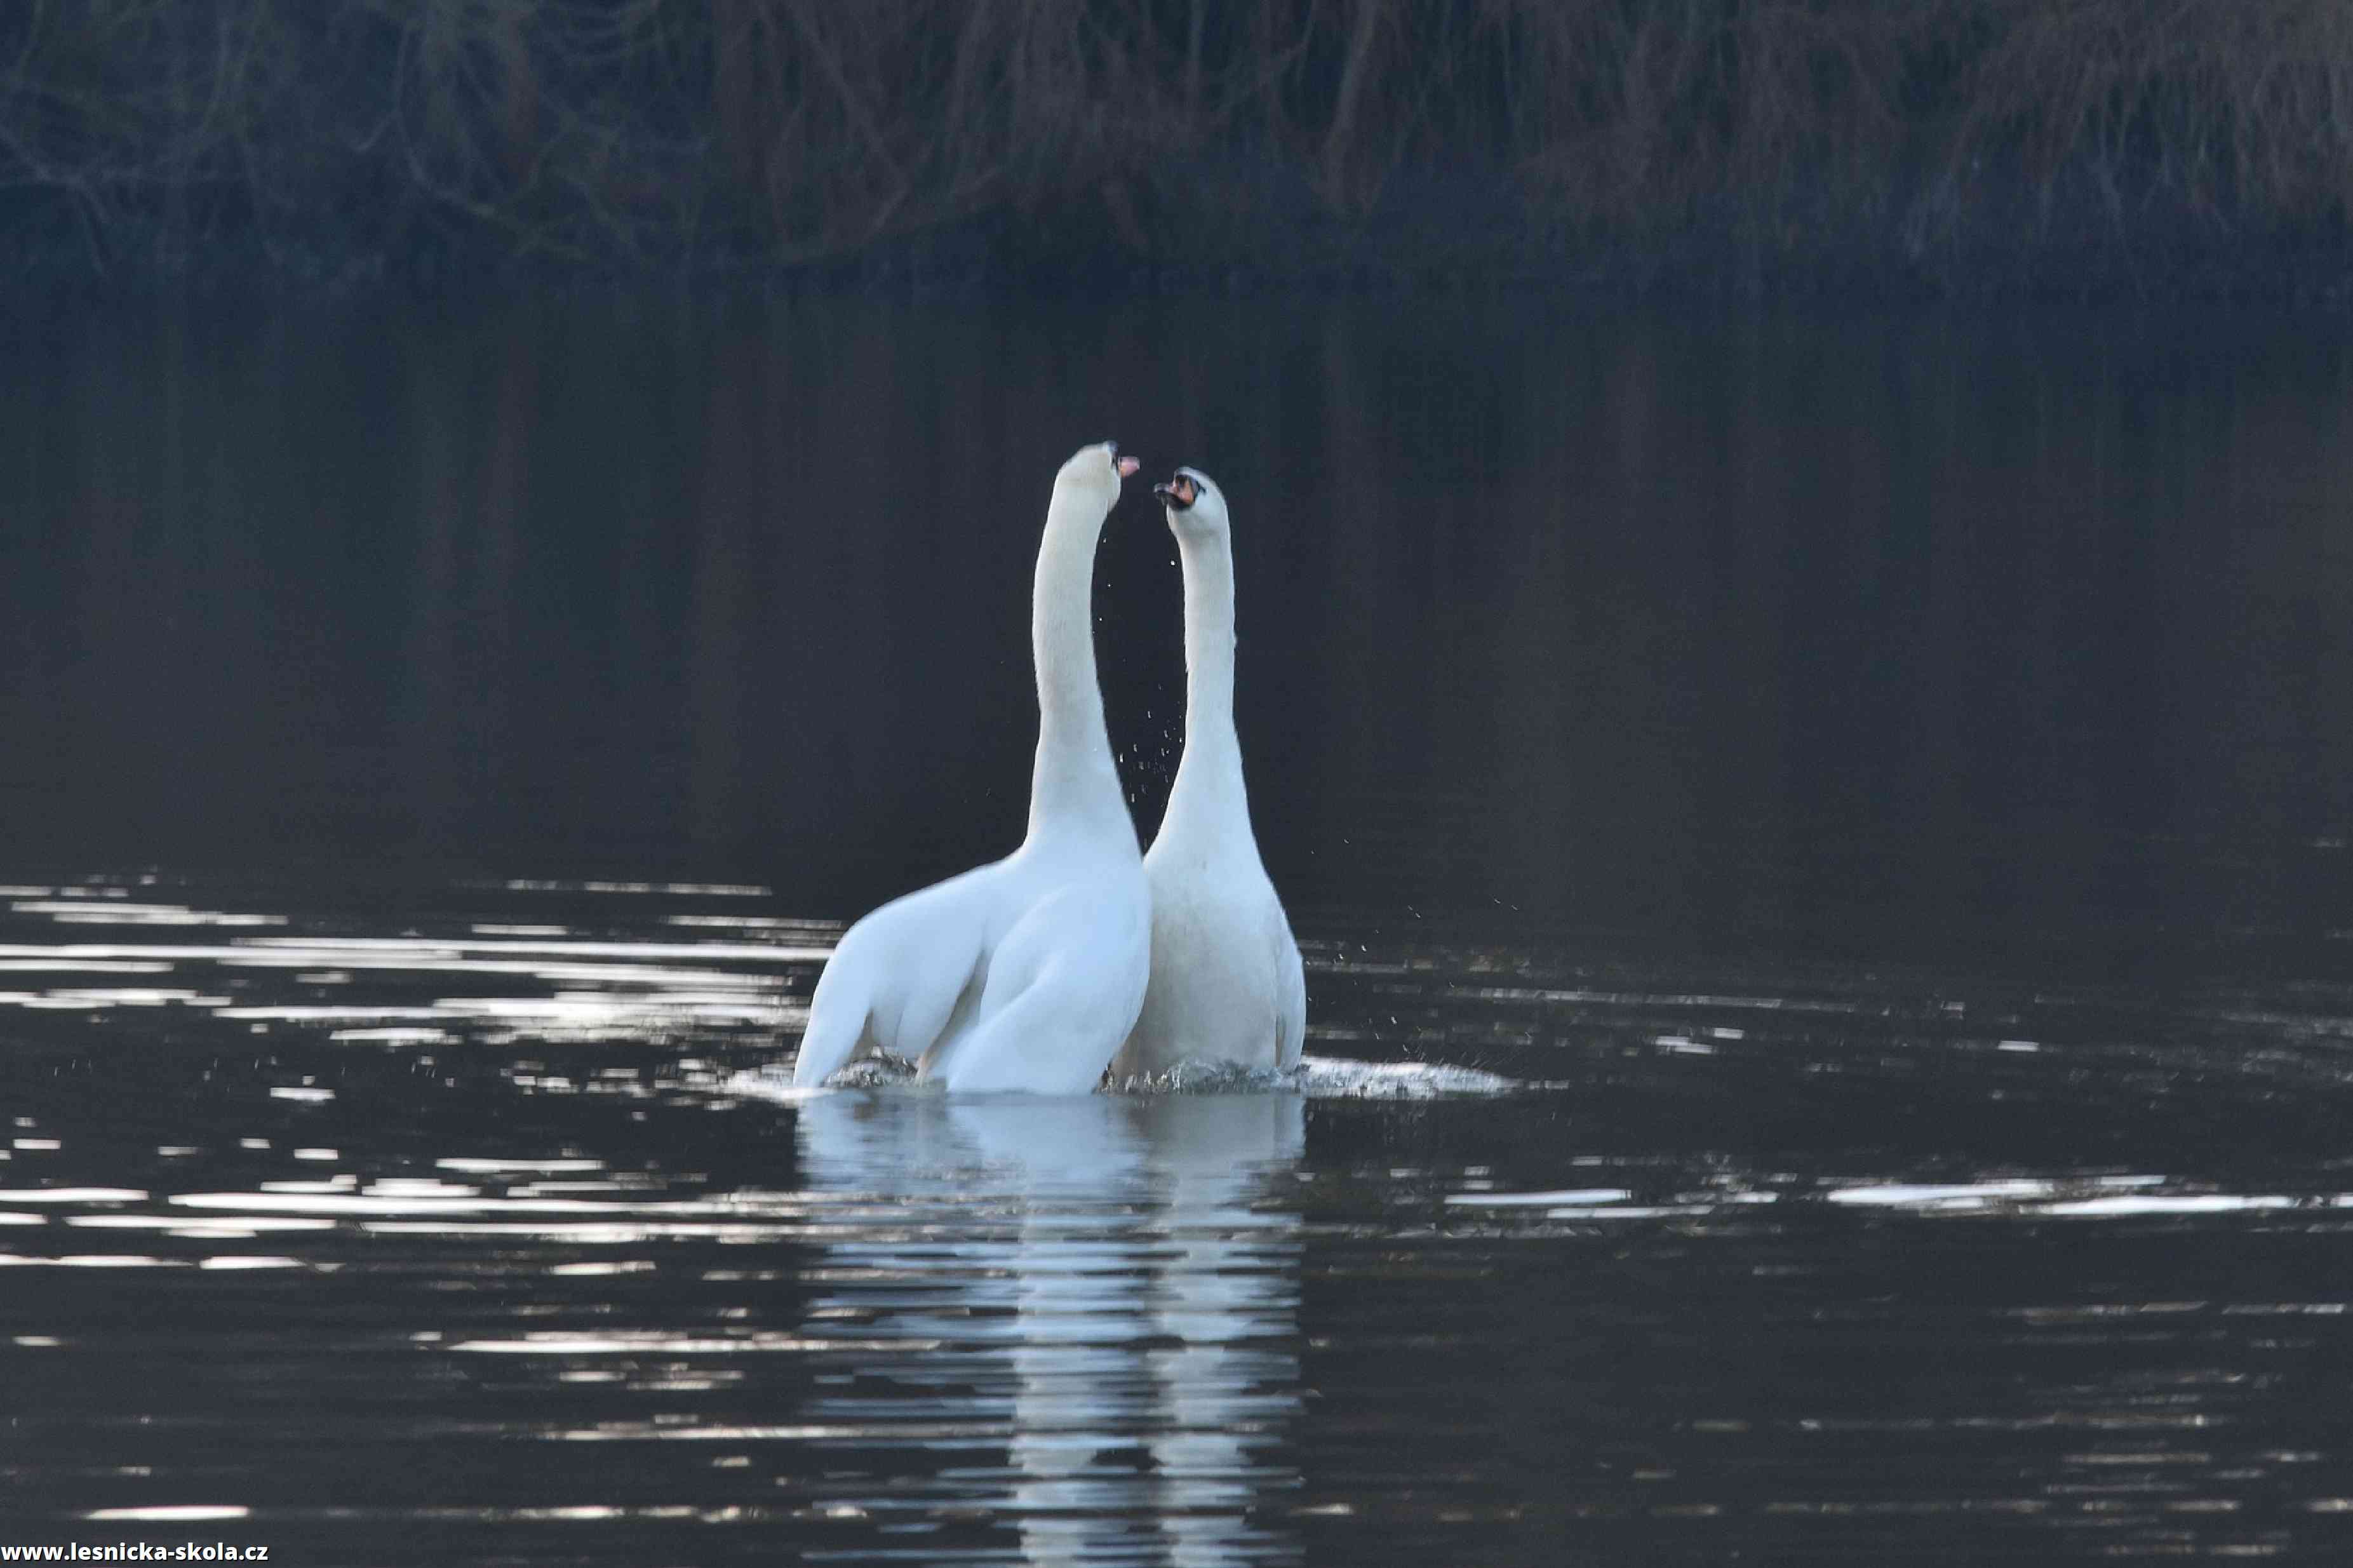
pixel 1098 1283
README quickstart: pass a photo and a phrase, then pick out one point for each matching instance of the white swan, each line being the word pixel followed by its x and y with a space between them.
pixel 1025 974
pixel 1226 979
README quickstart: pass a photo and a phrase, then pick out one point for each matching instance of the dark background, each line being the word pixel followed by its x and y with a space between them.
pixel 2087 148
pixel 1927 632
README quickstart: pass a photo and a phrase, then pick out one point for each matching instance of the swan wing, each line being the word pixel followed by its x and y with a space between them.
pixel 900 977
pixel 1063 990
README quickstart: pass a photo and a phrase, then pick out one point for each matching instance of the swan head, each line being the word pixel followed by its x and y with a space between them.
pixel 1194 503
pixel 1097 470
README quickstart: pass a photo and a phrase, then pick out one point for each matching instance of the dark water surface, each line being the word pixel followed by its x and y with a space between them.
pixel 1878 791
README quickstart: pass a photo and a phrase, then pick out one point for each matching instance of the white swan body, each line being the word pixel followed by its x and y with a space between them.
pixel 1025 974
pixel 1227 983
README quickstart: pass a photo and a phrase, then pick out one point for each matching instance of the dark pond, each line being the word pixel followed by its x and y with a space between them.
pixel 1821 846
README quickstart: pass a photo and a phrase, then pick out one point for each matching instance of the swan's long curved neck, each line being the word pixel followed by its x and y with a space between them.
pixel 1073 784
pixel 1209 794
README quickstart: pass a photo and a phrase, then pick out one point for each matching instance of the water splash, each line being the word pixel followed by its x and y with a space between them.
pixel 1316 1078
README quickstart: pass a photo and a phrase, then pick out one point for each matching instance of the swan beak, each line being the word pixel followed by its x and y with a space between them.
pixel 1178 493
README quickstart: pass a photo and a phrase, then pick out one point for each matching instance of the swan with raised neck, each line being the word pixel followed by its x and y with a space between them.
pixel 1025 974
pixel 1227 982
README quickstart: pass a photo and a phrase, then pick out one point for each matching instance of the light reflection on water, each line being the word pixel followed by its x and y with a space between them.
pixel 482 1222
pixel 1102 1276
pixel 619 988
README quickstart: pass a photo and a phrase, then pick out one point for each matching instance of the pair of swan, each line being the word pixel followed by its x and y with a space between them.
pixel 1076 952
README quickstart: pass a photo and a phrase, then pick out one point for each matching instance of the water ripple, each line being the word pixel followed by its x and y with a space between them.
pixel 344 1226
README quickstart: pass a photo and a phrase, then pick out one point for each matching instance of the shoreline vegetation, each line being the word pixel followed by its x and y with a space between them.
pixel 2084 148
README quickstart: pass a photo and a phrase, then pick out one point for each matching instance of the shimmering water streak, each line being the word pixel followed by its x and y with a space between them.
pixel 2071 1197
pixel 591 986
pixel 426 1207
